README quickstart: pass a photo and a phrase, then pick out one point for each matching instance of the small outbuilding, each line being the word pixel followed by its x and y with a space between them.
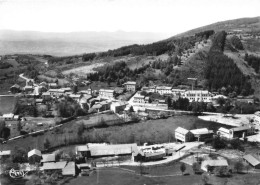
pixel 34 156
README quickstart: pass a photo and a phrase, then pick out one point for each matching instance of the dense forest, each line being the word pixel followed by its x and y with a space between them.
pixel 253 61
pixel 222 72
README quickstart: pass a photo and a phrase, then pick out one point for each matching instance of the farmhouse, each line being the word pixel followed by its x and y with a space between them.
pixel 106 93
pixel 183 135
pixel 130 86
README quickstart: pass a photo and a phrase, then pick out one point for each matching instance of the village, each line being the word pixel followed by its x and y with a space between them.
pixel 131 103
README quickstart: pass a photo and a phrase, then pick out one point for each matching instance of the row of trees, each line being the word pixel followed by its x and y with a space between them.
pixel 253 61
pixel 221 71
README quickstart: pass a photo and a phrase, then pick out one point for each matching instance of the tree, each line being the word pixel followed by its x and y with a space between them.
pixel 196 167
pixel 221 171
pixel 46 144
pixel 75 89
pixel 4 131
pixel 182 168
pixel 239 166
pixel 19 126
pixel 205 179
pixel 131 109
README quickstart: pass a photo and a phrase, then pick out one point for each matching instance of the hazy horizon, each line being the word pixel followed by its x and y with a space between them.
pixel 158 16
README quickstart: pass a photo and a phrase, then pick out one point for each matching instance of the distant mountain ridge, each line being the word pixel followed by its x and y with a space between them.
pixel 72 43
pixel 244 24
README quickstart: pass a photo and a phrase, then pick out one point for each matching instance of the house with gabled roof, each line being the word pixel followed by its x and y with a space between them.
pixel 183 135
pixel 34 156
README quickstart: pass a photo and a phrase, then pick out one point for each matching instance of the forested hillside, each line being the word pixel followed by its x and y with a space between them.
pixel 222 72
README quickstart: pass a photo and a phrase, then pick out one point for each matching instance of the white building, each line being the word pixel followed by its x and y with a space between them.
pixel 162 90
pixel 199 96
pixel 106 93
pixel 150 89
pixel 130 86
pixel 211 164
pixel 87 92
pixel 183 135
pixel 139 99
pixel 8 117
pixel 178 92
pixel 118 106
pixel 237 132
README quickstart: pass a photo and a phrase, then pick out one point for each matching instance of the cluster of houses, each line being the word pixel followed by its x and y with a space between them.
pixel 45 162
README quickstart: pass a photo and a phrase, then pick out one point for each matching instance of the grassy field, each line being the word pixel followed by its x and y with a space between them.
pixel 153 131
pixel 119 177
pixel 82 71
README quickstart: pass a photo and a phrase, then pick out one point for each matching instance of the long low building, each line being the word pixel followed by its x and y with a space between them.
pixel 237 132
pixel 202 134
pixel 103 150
pixel 184 135
pixel 253 160
pixel 210 165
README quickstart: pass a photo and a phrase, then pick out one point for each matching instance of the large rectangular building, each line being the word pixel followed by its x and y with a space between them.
pixel 237 132
pixel 198 96
pixel 106 93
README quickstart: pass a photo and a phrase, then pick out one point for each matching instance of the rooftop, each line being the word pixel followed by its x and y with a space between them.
pixel 252 159
pixel 220 162
pixel 201 131
pixel 48 158
pixel 34 152
pixel 107 90
pixel 130 83
pixel 181 130
pixel 100 150
pixel 54 166
pixel 5 152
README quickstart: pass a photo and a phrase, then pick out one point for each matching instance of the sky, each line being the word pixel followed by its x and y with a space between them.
pixel 166 16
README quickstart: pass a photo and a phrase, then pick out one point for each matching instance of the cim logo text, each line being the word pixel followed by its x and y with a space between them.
pixel 16 174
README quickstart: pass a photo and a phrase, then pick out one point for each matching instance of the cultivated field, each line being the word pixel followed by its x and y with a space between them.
pixel 82 71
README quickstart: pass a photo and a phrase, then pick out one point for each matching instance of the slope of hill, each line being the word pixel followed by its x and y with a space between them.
pixel 243 24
